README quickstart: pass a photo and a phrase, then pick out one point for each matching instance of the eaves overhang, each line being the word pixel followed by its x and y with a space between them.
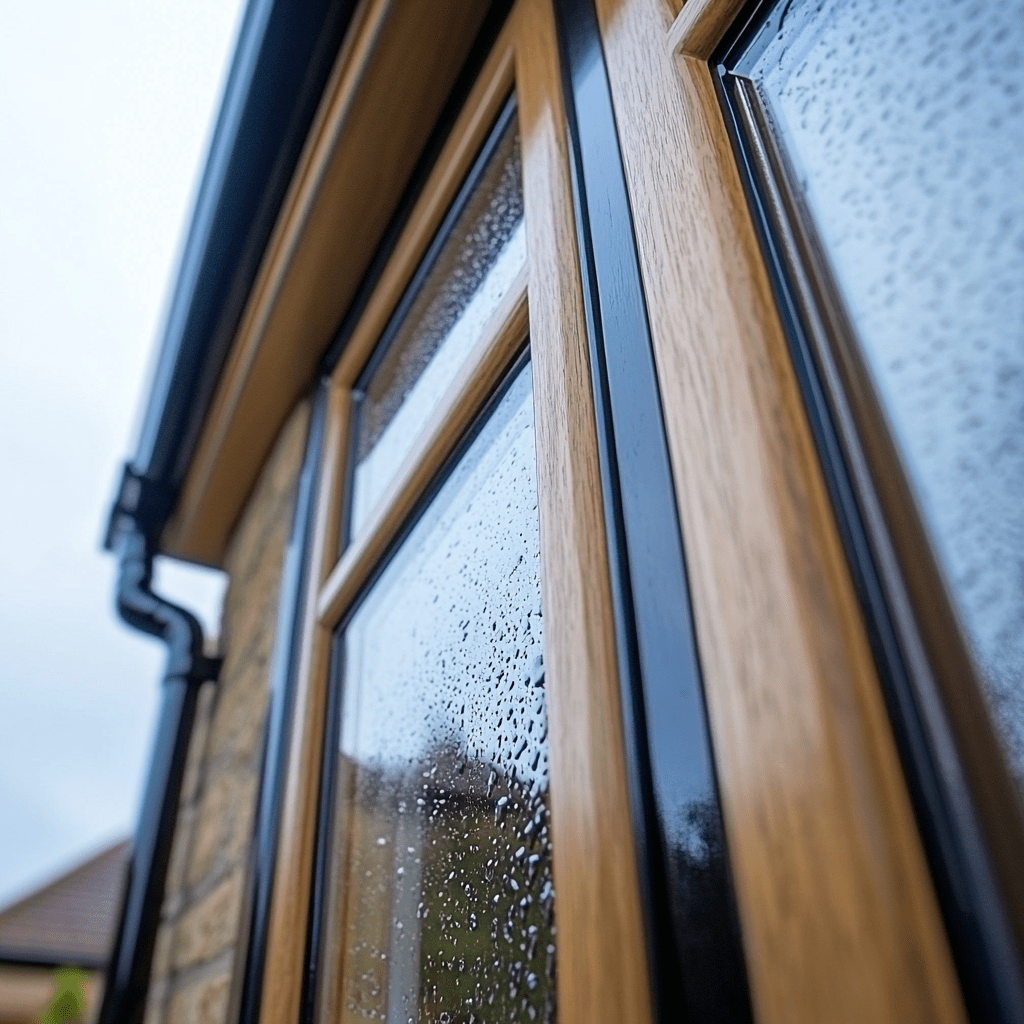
pixel 283 58
pixel 327 109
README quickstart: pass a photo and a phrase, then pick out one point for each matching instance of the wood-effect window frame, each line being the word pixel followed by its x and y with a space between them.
pixel 838 912
pixel 838 915
pixel 602 970
pixel 961 786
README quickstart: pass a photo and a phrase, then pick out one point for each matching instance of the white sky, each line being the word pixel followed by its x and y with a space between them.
pixel 105 114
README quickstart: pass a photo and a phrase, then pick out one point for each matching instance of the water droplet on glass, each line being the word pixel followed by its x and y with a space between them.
pixel 444 648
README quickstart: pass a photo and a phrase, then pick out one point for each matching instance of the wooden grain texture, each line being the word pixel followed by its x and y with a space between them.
pixel 602 969
pixel 839 918
pixel 700 25
pixel 289 907
pixel 484 366
pixel 348 182
pixel 673 7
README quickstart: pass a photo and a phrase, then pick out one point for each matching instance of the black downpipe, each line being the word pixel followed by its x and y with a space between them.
pixel 127 979
pixel 283 58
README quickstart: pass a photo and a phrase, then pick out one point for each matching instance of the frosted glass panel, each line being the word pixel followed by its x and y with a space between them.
pixel 437 325
pixel 905 125
pixel 443 902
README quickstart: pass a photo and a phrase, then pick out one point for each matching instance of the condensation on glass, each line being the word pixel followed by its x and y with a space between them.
pixel 464 278
pixel 904 122
pixel 440 904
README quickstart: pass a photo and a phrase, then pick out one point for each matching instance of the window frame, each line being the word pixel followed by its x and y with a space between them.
pixel 839 916
pixel 601 971
pixel 964 796
pixel 826 856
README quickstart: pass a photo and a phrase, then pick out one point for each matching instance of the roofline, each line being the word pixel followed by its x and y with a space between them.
pixel 41 956
pixel 12 956
pixel 282 61
pixel 61 875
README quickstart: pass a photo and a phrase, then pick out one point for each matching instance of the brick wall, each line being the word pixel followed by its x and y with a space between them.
pixel 195 951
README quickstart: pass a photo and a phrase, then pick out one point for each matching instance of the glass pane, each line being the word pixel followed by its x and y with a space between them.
pixel 463 280
pixel 442 903
pixel 905 125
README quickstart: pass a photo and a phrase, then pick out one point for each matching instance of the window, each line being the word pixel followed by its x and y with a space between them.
pixel 449 442
pixel 438 877
pixel 440 895
pixel 632 291
pixel 477 258
pixel 883 151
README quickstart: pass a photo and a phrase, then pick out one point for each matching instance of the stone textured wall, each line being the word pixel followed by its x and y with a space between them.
pixel 195 951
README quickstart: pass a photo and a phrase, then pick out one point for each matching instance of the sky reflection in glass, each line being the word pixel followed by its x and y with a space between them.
pixel 481 256
pixel 905 125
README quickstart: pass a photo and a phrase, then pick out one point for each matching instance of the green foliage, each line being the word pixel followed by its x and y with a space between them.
pixel 68 1003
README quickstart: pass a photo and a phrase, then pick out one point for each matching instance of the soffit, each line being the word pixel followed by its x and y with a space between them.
pixel 390 82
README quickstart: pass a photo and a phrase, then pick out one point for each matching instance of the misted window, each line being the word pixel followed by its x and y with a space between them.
pixel 461 282
pixel 439 901
pixel 900 127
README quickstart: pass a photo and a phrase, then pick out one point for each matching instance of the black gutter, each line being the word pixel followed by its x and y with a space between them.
pixel 127 980
pixel 694 948
pixel 283 59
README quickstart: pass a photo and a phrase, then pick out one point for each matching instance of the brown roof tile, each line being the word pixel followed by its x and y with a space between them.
pixel 70 920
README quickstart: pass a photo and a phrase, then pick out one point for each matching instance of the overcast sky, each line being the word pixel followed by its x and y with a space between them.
pixel 105 114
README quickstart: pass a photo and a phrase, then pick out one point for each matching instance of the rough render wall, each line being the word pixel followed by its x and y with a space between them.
pixel 195 949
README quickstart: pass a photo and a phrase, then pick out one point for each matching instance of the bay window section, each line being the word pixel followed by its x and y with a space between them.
pixel 902 126
pixel 881 145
